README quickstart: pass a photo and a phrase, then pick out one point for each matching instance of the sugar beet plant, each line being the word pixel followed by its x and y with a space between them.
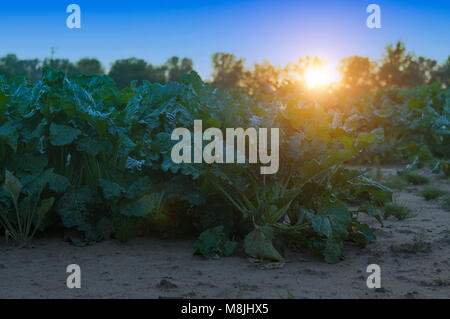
pixel 104 155
pixel 306 200
pixel 413 123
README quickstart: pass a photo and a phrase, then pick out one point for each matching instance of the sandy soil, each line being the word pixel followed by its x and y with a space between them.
pixel 151 268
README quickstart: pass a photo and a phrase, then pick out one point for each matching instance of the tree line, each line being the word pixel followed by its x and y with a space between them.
pixel 396 68
pixel 122 71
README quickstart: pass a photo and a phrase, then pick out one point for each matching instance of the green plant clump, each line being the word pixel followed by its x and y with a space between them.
pixel 397 210
pixel 214 242
pixel 431 192
pixel 28 209
pixel 396 182
pixel 416 179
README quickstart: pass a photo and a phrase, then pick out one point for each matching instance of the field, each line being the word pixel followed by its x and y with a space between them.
pixel 89 178
pixel 413 265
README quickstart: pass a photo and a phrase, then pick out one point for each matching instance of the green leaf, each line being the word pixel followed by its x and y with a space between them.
pixel 333 251
pixel 58 183
pixel 90 145
pixel 35 183
pixel 337 211
pixel 8 133
pixel 365 233
pixel 321 225
pixel 32 162
pixel 62 135
pixel 110 189
pixel 142 207
pixel 365 139
pixel 377 192
pixel 12 186
pixel 214 242
pixel 258 244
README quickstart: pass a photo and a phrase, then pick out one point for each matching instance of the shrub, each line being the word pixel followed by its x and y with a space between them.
pixel 431 192
pixel 416 179
pixel 398 210
pixel 396 182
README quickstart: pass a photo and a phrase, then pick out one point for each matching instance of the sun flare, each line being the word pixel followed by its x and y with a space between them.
pixel 319 76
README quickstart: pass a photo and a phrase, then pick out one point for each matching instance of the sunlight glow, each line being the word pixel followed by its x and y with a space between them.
pixel 319 76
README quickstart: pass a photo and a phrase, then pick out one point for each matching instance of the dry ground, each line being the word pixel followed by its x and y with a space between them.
pixel 152 268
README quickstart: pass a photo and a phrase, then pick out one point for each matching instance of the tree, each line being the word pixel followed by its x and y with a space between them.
pixel 442 74
pixel 263 77
pixel 126 70
pixel 228 71
pixel 402 69
pixel 63 65
pixel 358 74
pixel 176 69
pixel 11 66
pixel 89 66
pixel 420 71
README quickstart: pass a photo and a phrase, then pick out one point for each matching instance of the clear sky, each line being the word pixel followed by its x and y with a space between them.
pixel 279 31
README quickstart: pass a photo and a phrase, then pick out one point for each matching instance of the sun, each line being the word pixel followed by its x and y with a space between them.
pixel 319 76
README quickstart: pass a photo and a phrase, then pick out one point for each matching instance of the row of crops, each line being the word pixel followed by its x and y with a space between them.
pixel 84 157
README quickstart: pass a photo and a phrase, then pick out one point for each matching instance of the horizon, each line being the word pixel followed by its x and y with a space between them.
pixel 256 31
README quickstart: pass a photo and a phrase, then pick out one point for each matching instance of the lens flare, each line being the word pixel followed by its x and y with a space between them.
pixel 319 76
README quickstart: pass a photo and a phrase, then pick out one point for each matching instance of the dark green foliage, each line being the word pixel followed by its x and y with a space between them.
pixel 412 123
pixel 89 66
pixel 176 68
pixel 11 66
pixel 214 242
pixel 123 72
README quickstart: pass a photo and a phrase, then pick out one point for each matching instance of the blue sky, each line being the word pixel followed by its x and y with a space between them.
pixel 279 31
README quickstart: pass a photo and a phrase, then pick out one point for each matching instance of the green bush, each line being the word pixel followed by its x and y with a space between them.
pixel 396 182
pixel 416 179
pixel 398 210
pixel 431 192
